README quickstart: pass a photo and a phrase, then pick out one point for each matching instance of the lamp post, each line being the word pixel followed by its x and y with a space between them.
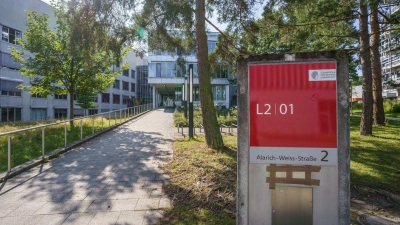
pixel 190 100
pixel 185 97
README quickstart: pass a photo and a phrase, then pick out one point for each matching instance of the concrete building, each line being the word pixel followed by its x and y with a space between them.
pixel 167 78
pixel 390 50
pixel 18 105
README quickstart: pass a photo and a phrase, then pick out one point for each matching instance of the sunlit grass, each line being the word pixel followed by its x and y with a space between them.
pixel 375 160
pixel 27 145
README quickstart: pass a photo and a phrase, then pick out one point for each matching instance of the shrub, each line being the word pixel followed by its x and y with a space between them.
pixel 396 108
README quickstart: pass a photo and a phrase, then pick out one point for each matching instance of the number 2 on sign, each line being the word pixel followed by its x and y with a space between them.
pixel 326 155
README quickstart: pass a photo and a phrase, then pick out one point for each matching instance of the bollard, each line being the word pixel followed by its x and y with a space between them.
pixel 81 129
pixel 43 143
pixel 65 134
pixel 9 153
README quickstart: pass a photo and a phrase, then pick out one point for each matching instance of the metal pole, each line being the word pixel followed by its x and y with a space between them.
pixel 43 143
pixel 190 100
pixel 93 125
pixel 9 153
pixel 65 134
pixel 109 119
pixel 81 129
pixel 115 117
pixel 102 117
pixel 120 116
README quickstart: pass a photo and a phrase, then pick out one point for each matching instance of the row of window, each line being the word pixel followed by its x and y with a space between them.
pixel 9 34
pixel 171 69
pixel 105 98
pixel 125 85
pixel 14 114
pixel 219 93
pixel 210 44
pixel 126 73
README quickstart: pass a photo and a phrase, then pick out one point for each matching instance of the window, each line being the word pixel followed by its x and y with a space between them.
pixel 6 61
pixel 158 70
pixel 37 95
pixel 125 73
pixel 9 35
pixel 61 97
pixel 116 99
pixel 125 99
pixel 196 94
pixel 219 93
pixel 9 87
pixel 133 74
pixel 133 87
pixel 93 111
pixel 38 114
pixel 105 97
pixel 10 114
pixel 116 84
pixel 125 85
pixel 178 94
pixel 60 113
pixel 211 46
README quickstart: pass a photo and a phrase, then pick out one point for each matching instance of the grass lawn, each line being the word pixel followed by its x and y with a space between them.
pixel 203 183
pixel 203 180
pixel 375 160
pixel 27 145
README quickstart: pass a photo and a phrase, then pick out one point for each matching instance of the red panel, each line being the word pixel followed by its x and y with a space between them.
pixel 296 112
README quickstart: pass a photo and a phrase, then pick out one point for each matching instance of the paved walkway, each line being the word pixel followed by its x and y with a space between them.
pixel 113 179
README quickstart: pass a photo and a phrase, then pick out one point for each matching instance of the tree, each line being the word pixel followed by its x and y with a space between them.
pixel 378 111
pixel 365 57
pixel 170 27
pixel 293 25
pixel 76 57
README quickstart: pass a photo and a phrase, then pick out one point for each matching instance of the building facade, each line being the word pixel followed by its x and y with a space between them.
pixel 16 105
pixel 167 78
pixel 390 51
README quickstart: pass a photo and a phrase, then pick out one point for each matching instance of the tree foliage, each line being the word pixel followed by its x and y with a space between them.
pixel 77 56
pixel 180 27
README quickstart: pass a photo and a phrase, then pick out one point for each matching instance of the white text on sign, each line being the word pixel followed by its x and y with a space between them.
pixel 274 109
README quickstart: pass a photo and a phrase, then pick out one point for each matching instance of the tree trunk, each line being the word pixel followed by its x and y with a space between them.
pixel 365 57
pixel 211 127
pixel 379 114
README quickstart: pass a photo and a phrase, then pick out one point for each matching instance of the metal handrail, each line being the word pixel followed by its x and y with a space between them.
pixel 135 110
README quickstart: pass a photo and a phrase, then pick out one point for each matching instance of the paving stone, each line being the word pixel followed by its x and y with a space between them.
pixel 146 204
pixel 5 209
pixel 113 178
pixel 79 218
pixel 20 220
pixel 64 207
pixel 124 205
pixel 55 219
pixel 29 208
pixel 105 218
pixel 131 218
pixel 152 216
pixel 103 205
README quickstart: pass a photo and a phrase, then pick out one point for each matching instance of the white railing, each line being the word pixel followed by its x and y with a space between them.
pixel 122 115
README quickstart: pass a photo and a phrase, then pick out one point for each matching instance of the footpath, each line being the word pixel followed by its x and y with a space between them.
pixel 112 179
